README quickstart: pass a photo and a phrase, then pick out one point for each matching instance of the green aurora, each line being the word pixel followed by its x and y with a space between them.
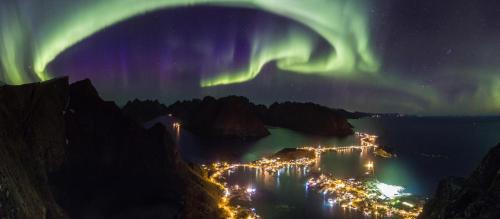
pixel 34 33
pixel 341 22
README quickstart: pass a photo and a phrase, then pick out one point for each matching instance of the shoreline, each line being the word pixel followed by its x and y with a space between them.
pixel 305 157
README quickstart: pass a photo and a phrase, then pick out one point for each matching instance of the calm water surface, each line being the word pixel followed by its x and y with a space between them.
pixel 428 149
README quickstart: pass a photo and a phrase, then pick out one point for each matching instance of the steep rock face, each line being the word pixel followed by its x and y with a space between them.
pixel 229 117
pixel 477 196
pixel 70 154
pixel 122 169
pixel 144 110
pixel 308 118
pixel 237 117
pixel 32 148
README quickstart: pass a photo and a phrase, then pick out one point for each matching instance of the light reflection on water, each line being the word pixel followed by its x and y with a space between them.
pixel 286 195
pixel 462 142
pixel 281 138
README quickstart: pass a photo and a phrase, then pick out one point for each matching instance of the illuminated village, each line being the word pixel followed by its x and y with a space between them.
pixel 366 195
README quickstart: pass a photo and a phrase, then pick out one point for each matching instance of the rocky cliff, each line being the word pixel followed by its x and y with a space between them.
pixel 477 196
pixel 32 148
pixel 228 117
pixel 66 153
pixel 237 117
pixel 144 110
pixel 308 118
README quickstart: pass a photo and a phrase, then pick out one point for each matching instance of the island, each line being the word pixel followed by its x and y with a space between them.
pixel 237 117
pixel 227 117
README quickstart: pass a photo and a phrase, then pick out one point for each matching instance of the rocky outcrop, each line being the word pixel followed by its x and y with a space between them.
pixel 66 153
pixel 228 117
pixel 308 118
pixel 477 196
pixel 351 115
pixel 290 154
pixel 143 111
pixel 32 148
pixel 237 117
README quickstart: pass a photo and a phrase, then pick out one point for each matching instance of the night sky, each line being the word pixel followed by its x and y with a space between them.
pixel 412 56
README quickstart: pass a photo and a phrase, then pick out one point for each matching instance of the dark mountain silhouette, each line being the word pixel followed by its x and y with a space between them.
pixel 66 153
pixel 236 116
pixel 477 196
pixel 144 110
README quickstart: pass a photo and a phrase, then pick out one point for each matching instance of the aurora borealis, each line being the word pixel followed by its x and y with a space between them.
pixel 353 54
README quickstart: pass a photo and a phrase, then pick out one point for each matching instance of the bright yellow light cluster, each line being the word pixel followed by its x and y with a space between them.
pixel 177 127
pixel 235 192
pixel 362 196
pixel 349 193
